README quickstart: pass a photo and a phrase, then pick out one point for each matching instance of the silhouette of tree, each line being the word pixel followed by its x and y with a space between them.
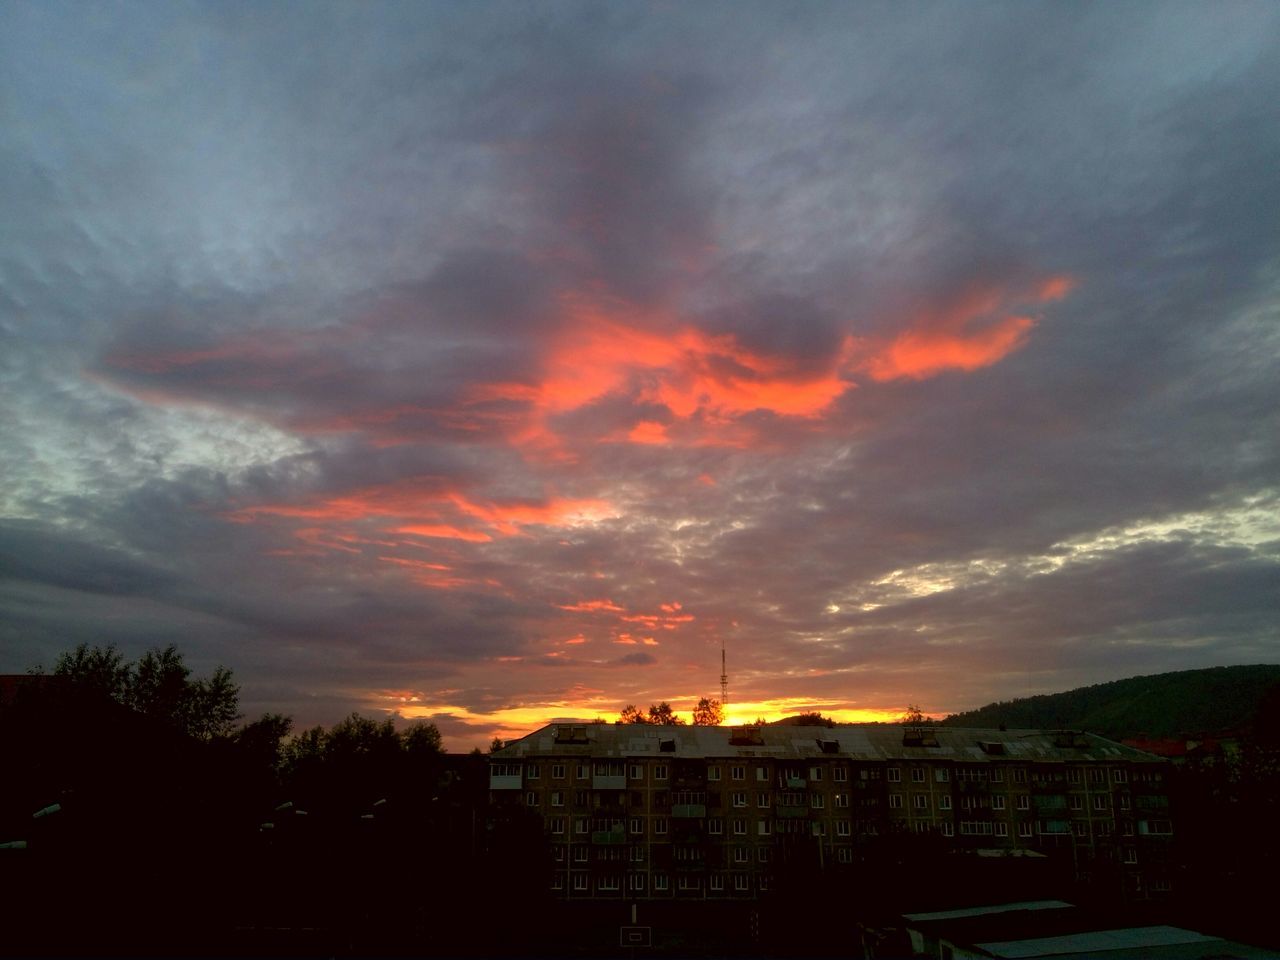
pixel 662 715
pixel 632 714
pixel 812 719
pixel 914 716
pixel 708 713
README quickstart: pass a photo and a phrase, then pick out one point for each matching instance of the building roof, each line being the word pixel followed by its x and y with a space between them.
pixel 858 741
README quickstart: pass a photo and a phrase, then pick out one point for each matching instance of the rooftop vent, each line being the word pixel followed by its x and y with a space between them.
pixel 667 746
pixel 919 737
pixel 746 737
pixel 1069 739
pixel 992 748
pixel 829 746
pixel 575 733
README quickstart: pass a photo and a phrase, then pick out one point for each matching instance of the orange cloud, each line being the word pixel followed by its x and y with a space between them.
pixel 972 331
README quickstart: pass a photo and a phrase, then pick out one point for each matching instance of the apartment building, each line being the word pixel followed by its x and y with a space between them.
pixel 658 812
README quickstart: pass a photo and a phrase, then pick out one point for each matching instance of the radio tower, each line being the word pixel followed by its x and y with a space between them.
pixel 724 682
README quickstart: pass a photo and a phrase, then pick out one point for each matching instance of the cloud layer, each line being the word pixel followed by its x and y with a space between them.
pixel 492 363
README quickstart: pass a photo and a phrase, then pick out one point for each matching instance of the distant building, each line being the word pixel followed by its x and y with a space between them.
pixel 653 812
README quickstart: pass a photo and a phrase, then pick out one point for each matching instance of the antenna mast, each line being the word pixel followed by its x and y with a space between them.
pixel 724 681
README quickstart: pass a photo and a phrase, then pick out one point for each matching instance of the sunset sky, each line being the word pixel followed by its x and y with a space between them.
pixel 495 362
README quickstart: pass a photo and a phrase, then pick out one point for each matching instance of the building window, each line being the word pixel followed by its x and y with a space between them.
pixel 557 882
pixel 713 773
pixel 660 771
pixel 843 828
pixel 556 824
pixel 762 774
pixel 762 854
pixel 637 855
pixel 894 775
pixel 816 801
pixel 840 775
pixel 637 825
pixel 763 828
pixel 687 883
pixel 948 829
pixel 580 798
pixel 1081 828
pixel 1019 774
pixel 815 773
pixel 738 773
pixel 635 771
pixel 581 825
pixel 921 801
pixel 607 884
pixel 716 882
pixel 1073 775
pixel 1100 801
pixel 741 855
pixel 715 826
pixel 997 775
pixel 1077 803
pixel 637 881
pixel 532 771
pixel 581 854
pixel 557 771
pixel 660 881
pixel 997 802
pixel 895 801
pixel 1124 801
pixel 941 774
pixel 844 855
pixel 530 799
pixel 944 802
pixel 818 828
pixel 580 881
pixel 1024 802
pixel 739 827
pixel 842 800
pixel 1119 776
pixel 741 882
pixel 1002 829
pixel 660 825
pixel 1097 775
pixel 583 771
pixel 1130 855
pixel 762 800
pixel 740 799
pixel 917 774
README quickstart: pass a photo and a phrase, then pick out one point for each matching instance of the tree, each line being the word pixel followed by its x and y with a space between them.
pixel 812 719
pixel 914 716
pixel 632 714
pixel 495 745
pixel 422 739
pixel 708 713
pixel 662 715
pixel 159 686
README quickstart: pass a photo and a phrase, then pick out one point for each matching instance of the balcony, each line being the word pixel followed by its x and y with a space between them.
pixel 791 781
pixel 688 811
pixel 790 812
pixel 610 837
pixel 602 781
pixel 499 781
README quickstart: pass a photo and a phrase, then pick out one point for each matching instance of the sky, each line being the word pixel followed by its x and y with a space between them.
pixel 496 362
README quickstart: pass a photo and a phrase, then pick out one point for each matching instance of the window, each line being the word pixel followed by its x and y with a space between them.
pixel 660 771
pixel 1097 775
pixel 557 851
pixel 1024 829
pixel 580 798
pixel 921 801
pixel 976 828
pixel 815 773
pixel 557 882
pixel 738 773
pixel 715 826
pixel 637 825
pixel 1130 855
pixel 1019 774
pixel 1081 828
pixel 741 881
pixel 580 881
pixel 1073 775
pixel 843 828
pixel 713 773
pixel 1119 776
pixel 1002 829
pixel 917 774
pixel 762 800
pixel 941 774
pixel 1100 801
pixel 997 802
pixel 530 799
pixel 895 801
pixel 637 881
pixel 637 855
pixel 997 775
pixel 840 775
pixel 1124 801
pixel 660 881
pixel 762 774
pixel 635 771
pixel 532 771
pixel 763 828
pixel 739 827
pixel 944 802
pixel 556 824
pixel 1024 802
pixel 842 800
pixel 584 771
pixel 687 883
pixel 660 825
pixel 894 775
pixel 557 771
pixel 740 798
pixel 817 801
pixel 1155 828
pixel 818 828
pixel 763 854
pixel 581 825
pixel 1077 803
pixel 741 855
pixel 581 854
pixel 844 855
pixel 948 830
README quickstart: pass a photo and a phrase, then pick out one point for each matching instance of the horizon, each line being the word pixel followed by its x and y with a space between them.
pixel 479 363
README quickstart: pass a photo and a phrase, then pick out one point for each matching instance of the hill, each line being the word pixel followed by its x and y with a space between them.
pixel 1162 705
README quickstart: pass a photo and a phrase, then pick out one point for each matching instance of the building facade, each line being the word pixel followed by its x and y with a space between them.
pixel 657 812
